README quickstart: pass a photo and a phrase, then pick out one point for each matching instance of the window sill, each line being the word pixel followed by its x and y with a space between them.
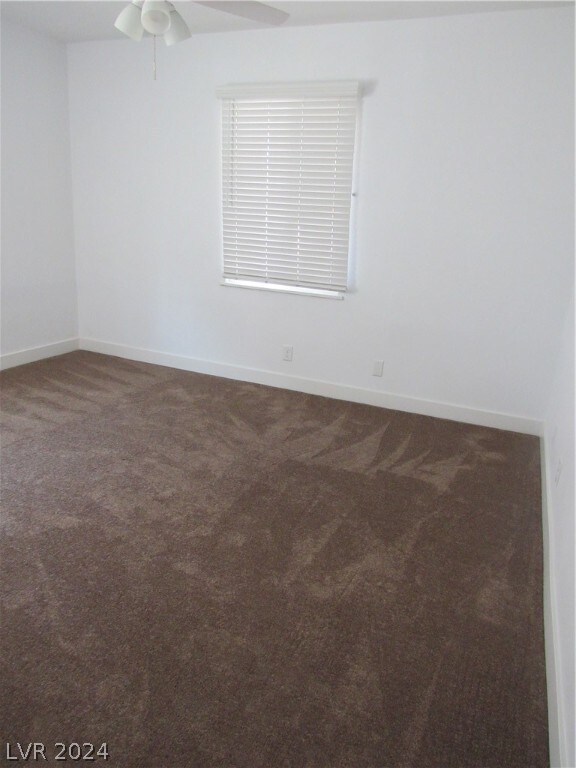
pixel 298 290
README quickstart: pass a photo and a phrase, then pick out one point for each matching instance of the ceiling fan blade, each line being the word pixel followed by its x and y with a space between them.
pixel 249 9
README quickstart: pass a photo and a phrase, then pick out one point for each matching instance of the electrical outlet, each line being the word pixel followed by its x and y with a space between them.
pixel 378 368
pixel 558 472
pixel 287 352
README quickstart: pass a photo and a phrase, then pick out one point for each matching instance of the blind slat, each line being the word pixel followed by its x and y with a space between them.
pixel 286 265
pixel 287 234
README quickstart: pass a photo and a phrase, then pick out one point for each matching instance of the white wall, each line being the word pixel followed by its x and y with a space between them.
pixel 464 234
pixel 39 303
pixel 559 452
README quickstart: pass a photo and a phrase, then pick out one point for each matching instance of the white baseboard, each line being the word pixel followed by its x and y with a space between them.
pixel 318 387
pixel 32 354
pixel 556 722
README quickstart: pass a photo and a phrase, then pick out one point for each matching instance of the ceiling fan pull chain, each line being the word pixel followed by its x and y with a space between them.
pixel 154 64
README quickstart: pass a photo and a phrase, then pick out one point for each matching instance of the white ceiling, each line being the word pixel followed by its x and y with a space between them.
pixel 79 20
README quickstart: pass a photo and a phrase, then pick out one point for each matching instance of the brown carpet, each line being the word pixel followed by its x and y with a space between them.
pixel 205 573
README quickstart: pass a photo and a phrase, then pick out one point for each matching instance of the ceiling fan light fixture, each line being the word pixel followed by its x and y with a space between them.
pixel 129 21
pixel 156 17
pixel 178 30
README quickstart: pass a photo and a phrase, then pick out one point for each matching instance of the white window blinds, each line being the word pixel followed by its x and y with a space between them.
pixel 287 160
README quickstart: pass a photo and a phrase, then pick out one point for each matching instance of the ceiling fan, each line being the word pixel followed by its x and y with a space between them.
pixel 160 18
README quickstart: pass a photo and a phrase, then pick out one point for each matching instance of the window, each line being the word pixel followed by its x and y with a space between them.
pixel 287 163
